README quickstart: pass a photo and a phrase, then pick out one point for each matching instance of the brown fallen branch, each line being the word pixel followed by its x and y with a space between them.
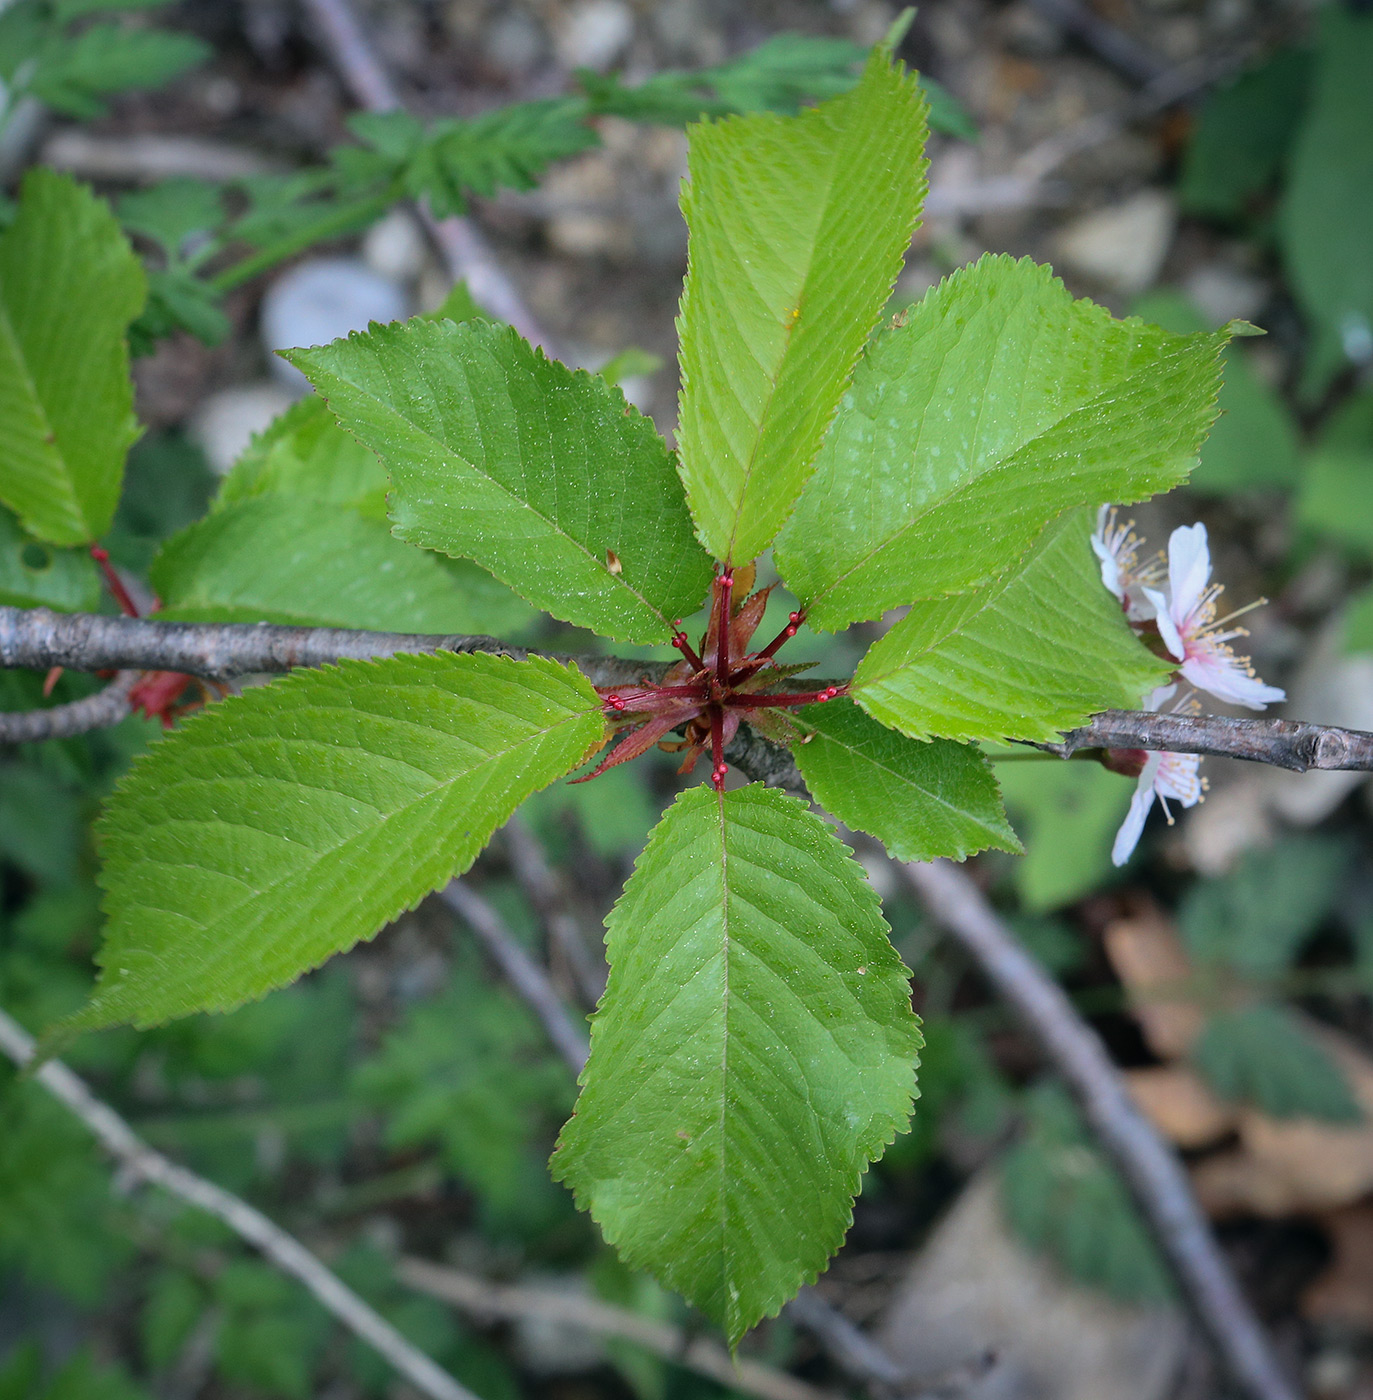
pixel 142 1163
pixel 494 1302
pixel 464 249
pixel 38 639
pixel 1151 1169
pixel 99 711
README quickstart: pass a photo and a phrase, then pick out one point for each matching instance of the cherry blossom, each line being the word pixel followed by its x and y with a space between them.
pixel 1118 548
pixel 1165 776
pixel 1186 620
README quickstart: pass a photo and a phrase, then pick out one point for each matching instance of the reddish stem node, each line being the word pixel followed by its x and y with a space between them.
pixel 116 585
pixel 794 621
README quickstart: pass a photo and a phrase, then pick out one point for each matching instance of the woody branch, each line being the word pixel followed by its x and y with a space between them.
pixel 37 638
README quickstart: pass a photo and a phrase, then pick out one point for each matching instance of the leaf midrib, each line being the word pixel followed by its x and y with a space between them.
pixel 617 581
pixel 933 504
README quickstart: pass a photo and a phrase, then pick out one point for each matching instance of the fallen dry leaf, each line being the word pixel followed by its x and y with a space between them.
pixel 1149 959
pixel 1180 1106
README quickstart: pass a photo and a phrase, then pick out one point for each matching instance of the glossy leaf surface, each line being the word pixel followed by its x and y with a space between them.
pixel 69 286
pixel 997 404
pixel 919 800
pixel 1024 658
pixel 542 474
pixel 797 230
pixel 287 823
pixel 755 1049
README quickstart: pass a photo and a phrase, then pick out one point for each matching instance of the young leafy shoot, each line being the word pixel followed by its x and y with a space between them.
pixel 286 824
pixel 542 474
pixel 919 800
pixel 995 405
pixel 69 286
pixel 797 230
pixel 1023 658
pixel 754 1050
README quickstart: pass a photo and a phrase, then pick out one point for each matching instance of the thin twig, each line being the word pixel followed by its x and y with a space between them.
pixel 37 638
pixel 492 1302
pixel 99 711
pixel 528 979
pixel 142 1163
pixel 1150 1168
pixel 465 250
pixel 545 890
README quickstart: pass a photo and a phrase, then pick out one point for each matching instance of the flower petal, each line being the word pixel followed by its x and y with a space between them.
pixel 1127 838
pixel 1223 675
pixel 1167 628
pixel 1189 569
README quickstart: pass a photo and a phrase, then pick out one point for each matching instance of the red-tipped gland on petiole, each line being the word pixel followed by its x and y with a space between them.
pixel 717 777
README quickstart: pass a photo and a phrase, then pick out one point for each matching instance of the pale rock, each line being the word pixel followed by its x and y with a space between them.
pixel 515 42
pixel 394 248
pixel 1122 246
pixel 1223 293
pixel 1330 688
pixel 320 300
pixel 549 1347
pixel 593 34
pixel 589 235
pixel 974 1288
pixel 226 421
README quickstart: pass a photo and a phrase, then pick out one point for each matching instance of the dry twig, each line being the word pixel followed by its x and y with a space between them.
pixel 38 638
pixel 492 1302
pixel 466 252
pixel 99 711
pixel 142 1163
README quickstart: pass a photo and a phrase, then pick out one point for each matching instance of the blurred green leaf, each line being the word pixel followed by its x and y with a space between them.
pixel 39 822
pixel 74 74
pixel 1336 496
pixel 1261 1055
pixel 1254 442
pixel 1243 135
pixel 1256 918
pixel 172 212
pixel 273 1333
pixel 1061 1197
pixel 34 574
pixel 470 1072
pixel 173 1306
pixel 615 812
pixel 1358 622
pixel 1068 814
pixel 1326 224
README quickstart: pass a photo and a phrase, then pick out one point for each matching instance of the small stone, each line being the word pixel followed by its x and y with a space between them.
pixel 226 421
pixel 321 300
pixel 594 34
pixel 515 43
pixel 1222 293
pixel 394 247
pixel 1122 246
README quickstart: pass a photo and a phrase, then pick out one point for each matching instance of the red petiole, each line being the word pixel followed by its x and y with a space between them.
pixel 708 692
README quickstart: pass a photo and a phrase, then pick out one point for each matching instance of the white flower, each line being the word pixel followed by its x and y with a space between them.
pixel 1167 776
pixel 1186 620
pixel 1118 547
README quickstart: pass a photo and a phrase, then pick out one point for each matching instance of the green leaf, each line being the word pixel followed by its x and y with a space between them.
pixel 68 10
pixel 73 74
pixel 285 824
pixel 459 305
pixel 1068 814
pixel 1256 919
pixel 69 286
pixel 1024 658
pixel 1262 1055
pixel 36 575
pixel 1243 135
pixel 1061 1197
pixel 1358 622
pixel 797 230
pixel 295 561
pixel 997 404
pixel 630 362
pixel 1254 443
pixel 172 212
pixel 754 1051
pixel 1336 496
pixel 542 474
pixel 919 800
pixel 304 453
pixel 1326 224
